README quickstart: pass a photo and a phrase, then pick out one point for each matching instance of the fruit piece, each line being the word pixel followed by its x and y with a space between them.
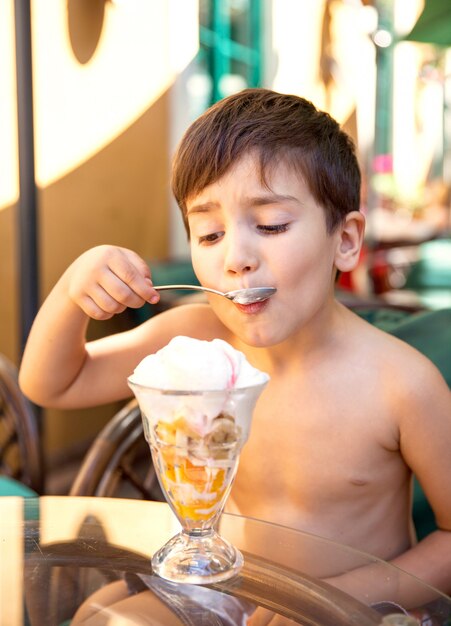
pixel 165 432
pixel 223 430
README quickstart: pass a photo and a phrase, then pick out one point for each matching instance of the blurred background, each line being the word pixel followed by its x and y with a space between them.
pixel 95 95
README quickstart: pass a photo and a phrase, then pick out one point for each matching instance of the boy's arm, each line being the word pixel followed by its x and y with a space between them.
pixel 421 401
pixel 102 282
pixel 425 442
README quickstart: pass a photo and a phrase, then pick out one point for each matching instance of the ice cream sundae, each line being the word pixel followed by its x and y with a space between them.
pixel 196 398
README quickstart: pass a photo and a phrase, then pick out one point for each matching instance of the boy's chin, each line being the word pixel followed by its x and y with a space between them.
pixel 261 340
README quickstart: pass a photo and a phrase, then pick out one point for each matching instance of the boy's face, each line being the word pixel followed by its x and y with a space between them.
pixel 246 235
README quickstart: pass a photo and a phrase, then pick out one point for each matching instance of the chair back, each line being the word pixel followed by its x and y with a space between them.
pixel 20 442
pixel 118 463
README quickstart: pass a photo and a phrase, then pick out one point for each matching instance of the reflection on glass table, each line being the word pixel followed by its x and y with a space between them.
pixel 65 556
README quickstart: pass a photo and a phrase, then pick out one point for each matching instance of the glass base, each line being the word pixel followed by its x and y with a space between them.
pixel 197 558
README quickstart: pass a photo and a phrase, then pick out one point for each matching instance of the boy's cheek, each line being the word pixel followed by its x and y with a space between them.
pixel 197 265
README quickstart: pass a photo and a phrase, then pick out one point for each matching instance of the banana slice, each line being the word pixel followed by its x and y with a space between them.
pixel 224 430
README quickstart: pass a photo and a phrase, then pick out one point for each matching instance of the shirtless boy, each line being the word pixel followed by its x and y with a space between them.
pixel 269 191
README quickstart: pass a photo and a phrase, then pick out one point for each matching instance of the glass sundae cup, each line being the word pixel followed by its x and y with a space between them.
pixel 195 438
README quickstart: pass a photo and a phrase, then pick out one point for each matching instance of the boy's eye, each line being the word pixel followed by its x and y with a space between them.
pixel 272 229
pixel 211 238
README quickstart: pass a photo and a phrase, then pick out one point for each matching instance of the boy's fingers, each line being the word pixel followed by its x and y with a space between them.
pixel 92 309
pixel 135 273
pixel 117 289
pixel 107 300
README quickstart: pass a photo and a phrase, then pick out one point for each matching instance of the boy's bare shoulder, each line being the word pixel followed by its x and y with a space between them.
pixel 404 370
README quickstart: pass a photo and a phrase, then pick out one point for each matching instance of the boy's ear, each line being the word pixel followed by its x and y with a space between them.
pixel 349 243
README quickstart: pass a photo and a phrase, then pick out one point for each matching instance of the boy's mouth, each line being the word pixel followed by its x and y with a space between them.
pixel 253 308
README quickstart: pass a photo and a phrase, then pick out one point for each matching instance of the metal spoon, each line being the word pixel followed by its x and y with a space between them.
pixel 240 296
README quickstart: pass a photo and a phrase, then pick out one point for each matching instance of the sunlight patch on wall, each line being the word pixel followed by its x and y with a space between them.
pixel 323 53
pixel 296 28
pixel 418 106
pixel 9 174
pixel 82 107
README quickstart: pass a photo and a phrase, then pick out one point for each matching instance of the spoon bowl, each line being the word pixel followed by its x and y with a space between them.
pixel 250 295
pixel 240 296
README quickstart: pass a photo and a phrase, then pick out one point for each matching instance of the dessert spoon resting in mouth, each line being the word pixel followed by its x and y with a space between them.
pixel 240 296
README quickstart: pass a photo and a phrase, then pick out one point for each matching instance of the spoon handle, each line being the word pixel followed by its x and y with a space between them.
pixel 192 287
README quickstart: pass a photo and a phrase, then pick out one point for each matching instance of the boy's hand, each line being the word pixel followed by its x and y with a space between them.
pixel 105 280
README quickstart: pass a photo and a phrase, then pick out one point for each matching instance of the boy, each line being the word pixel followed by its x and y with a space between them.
pixel 269 191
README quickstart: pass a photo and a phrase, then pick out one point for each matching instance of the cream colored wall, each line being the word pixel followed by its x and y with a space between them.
pixel 9 186
pixel 102 74
pixel 118 196
pixel 9 326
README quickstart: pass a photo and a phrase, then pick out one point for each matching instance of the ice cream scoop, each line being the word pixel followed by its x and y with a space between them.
pixel 172 382
pixel 192 364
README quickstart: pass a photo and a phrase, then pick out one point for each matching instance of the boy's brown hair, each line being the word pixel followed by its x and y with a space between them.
pixel 277 128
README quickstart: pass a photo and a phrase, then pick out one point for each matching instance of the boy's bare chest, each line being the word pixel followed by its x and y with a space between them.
pixel 311 442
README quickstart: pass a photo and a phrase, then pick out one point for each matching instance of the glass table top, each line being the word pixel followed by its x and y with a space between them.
pixel 75 560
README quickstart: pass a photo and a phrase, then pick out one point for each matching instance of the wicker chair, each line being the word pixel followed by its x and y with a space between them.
pixel 21 462
pixel 118 463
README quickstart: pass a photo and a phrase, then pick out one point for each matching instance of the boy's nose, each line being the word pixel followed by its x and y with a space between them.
pixel 240 257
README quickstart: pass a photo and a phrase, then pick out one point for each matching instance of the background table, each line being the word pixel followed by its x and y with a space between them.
pixel 55 552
